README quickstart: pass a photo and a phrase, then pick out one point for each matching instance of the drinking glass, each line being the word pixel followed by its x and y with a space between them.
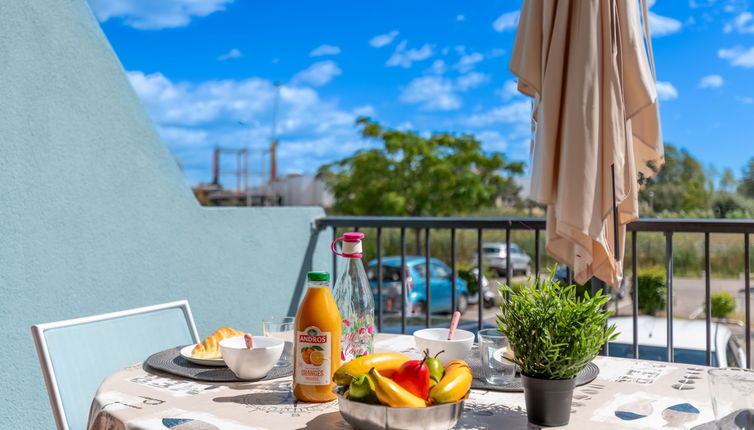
pixel 281 328
pixel 732 395
pixel 492 346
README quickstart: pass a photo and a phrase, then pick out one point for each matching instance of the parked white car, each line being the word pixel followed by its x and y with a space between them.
pixel 495 258
pixel 689 341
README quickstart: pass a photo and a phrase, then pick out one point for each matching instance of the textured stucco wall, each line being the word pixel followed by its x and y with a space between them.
pixel 95 215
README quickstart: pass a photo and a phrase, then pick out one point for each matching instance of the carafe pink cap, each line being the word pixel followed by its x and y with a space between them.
pixel 351 245
pixel 353 236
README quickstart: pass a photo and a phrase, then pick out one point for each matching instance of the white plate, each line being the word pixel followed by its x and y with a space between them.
pixel 186 353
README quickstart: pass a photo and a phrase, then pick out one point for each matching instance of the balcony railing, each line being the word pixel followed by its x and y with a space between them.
pixel 666 226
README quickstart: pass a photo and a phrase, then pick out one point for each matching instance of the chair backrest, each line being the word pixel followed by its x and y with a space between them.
pixel 76 355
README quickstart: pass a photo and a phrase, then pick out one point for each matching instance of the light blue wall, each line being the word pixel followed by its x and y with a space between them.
pixel 95 215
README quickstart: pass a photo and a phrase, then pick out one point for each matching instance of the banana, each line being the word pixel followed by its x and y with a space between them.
pixel 389 393
pixel 386 363
pixel 454 385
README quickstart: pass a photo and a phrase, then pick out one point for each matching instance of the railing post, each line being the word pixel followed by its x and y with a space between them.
pixel 669 297
pixel 635 293
pixel 427 279
pixel 334 257
pixel 404 293
pixel 379 279
pixel 707 304
pixel 453 270
pixel 508 263
pixel 747 298
pixel 536 254
pixel 480 275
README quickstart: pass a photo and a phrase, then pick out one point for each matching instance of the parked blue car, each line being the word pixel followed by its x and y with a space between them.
pixel 415 271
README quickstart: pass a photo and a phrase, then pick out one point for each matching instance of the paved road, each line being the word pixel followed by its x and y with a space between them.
pixel 688 296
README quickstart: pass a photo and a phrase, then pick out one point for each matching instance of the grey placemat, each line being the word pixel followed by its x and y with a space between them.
pixel 171 361
pixel 584 377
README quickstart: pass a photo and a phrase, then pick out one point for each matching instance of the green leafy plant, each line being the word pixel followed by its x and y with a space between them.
pixel 723 304
pixel 553 332
pixel 652 291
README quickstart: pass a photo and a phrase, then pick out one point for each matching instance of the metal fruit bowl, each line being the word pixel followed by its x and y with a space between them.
pixel 363 416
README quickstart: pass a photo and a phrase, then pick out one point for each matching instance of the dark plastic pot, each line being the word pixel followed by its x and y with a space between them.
pixel 548 401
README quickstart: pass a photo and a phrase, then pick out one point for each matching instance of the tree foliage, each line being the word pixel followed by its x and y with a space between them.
pixel 680 186
pixel 746 187
pixel 411 175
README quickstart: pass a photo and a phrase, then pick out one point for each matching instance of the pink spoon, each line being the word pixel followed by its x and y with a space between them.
pixel 454 324
pixel 247 339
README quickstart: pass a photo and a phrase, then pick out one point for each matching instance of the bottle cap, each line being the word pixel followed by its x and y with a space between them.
pixel 318 276
pixel 351 245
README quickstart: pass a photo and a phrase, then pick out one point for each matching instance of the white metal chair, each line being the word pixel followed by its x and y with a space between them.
pixel 76 355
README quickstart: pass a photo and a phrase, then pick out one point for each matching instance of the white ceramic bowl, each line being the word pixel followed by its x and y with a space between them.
pixel 436 340
pixel 252 363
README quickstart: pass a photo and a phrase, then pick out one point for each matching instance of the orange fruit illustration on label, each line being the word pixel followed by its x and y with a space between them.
pixel 317 358
pixel 306 354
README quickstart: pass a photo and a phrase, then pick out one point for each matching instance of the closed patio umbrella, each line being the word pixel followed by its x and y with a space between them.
pixel 597 127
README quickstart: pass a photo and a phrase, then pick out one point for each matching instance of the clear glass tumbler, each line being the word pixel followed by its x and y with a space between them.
pixel 281 328
pixel 492 346
pixel 732 395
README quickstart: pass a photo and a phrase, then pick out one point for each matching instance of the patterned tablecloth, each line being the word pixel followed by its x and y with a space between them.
pixel 627 394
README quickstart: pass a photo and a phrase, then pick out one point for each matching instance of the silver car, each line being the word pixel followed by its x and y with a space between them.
pixel 495 258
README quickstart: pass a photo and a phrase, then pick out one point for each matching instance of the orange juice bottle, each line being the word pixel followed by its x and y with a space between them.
pixel 316 342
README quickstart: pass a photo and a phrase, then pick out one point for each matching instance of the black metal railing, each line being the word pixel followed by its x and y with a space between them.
pixel 666 226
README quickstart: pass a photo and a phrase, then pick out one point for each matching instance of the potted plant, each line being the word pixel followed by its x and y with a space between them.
pixel 554 334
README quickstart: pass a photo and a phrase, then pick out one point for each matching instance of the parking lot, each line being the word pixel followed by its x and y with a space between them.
pixel 688 303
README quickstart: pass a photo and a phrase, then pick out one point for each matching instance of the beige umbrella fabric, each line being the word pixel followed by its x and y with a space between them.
pixel 595 109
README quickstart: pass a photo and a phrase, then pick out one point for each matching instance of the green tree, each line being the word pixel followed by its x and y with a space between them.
pixel 730 205
pixel 728 181
pixel 746 187
pixel 411 175
pixel 681 184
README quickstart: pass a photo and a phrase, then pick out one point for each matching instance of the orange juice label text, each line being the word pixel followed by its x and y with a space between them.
pixel 313 357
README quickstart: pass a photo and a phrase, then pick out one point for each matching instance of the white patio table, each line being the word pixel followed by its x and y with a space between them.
pixel 627 394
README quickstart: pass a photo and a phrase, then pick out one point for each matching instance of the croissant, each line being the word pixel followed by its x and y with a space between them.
pixel 210 348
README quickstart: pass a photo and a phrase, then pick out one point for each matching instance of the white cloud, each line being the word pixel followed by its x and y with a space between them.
pixel 509 90
pixel 155 15
pixel 743 23
pixel 438 67
pixel 662 25
pixel 471 80
pixel 496 52
pixel 711 81
pixel 512 113
pixel 738 56
pixel 318 74
pixel 233 53
pixel 745 100
pixel 460 17
pixel 432 93
pixel 325 50
pixel 701 3
pixel 666 91
pixel 492 140
pixel 193 118
pixel 405 57
pixel 383 39
pixel 468 62
pixel 506 21
pixel 437 93
pixel 366 110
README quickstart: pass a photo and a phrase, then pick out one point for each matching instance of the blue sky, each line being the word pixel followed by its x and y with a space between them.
pixel 203 66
